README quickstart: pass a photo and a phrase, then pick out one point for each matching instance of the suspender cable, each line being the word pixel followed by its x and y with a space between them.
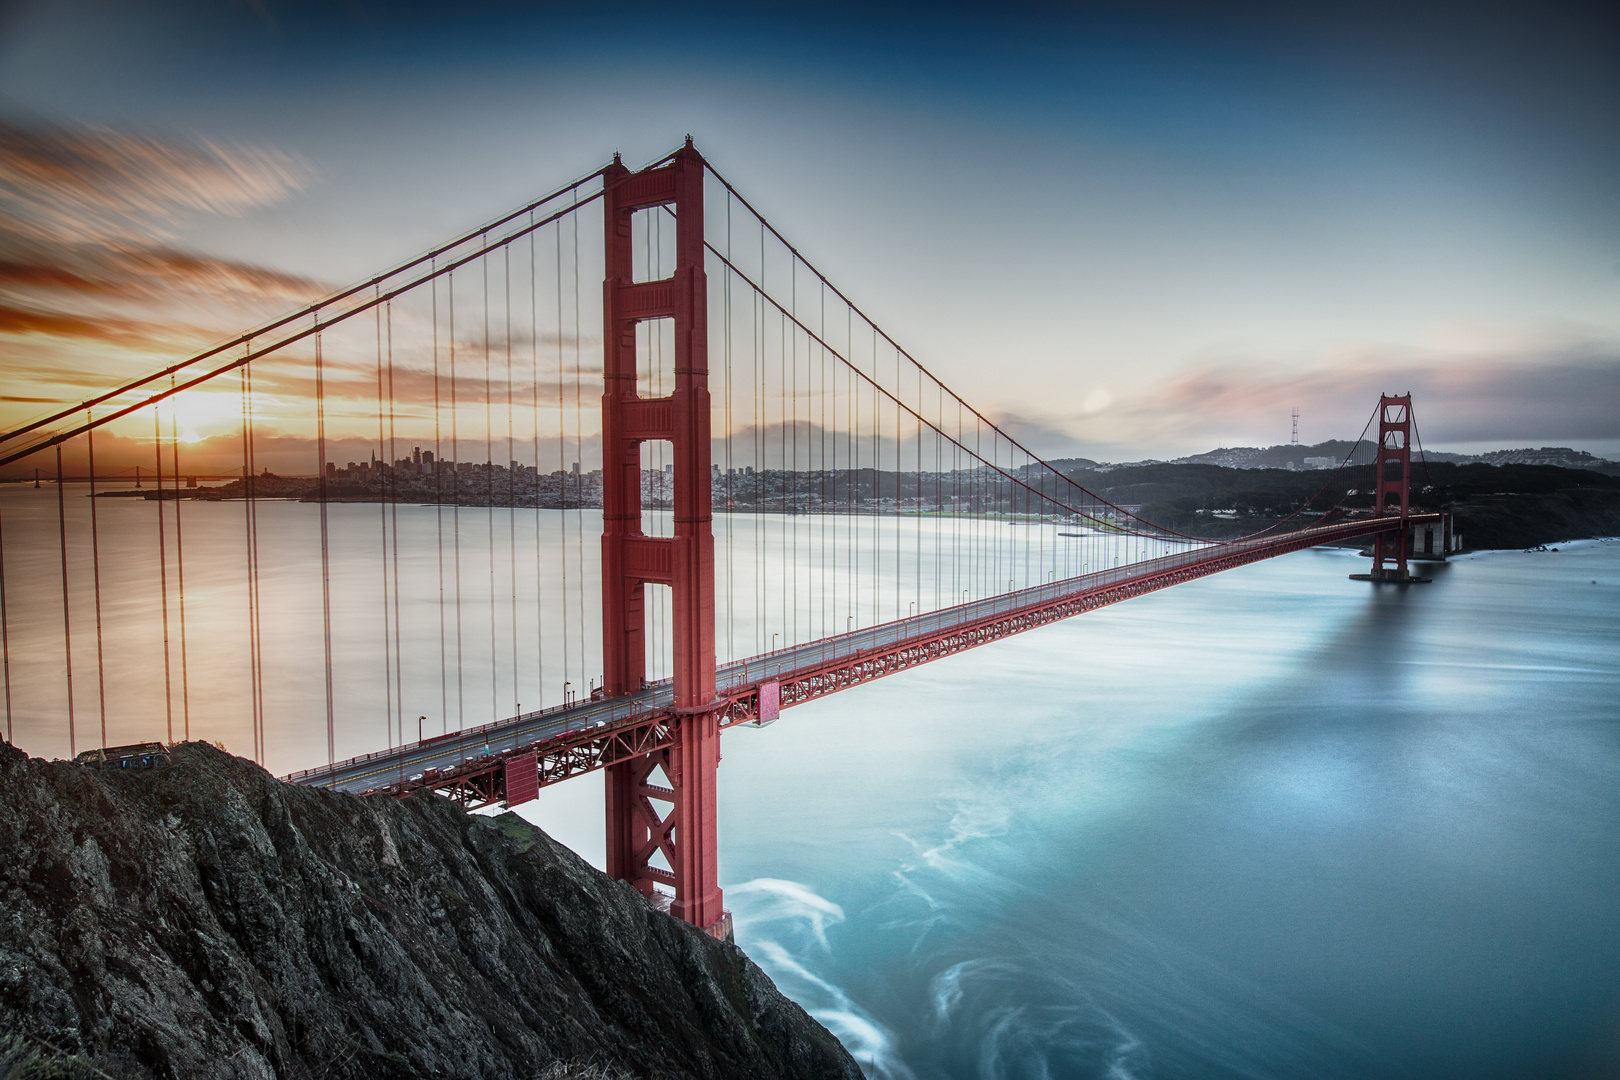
pixel 163 569
pixel 393 533
pixel 455 500
pixel 562 467
pixel 782 487
pixel 792 431
pixel 731 590
pixel 579 453
pixel 511 484
pixel 534 414
pixel 179 579
pixel 757 345
pixel 326 551
pixel 247 542
pixel 95 569
pixel 385 470
pixel 489 503
pixel 852 489
pixel 5 634
pixel 258 594
pixel 438 514
pixel 67 626
pixel 820 466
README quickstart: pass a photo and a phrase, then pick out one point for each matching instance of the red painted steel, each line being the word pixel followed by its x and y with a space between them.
pixel 1394 481
pixel 770 701
pixel 687 837
pixel 522 778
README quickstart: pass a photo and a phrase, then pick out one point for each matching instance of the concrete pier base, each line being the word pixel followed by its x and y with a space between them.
pixel 1397 577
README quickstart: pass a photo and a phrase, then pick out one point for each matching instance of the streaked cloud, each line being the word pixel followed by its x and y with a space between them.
pixel 73 186
pixel 92 274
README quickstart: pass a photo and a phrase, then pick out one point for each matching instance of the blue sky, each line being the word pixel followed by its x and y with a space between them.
pixel 1127 230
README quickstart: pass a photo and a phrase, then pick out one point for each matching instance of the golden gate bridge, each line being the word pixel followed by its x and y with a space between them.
pixel 873 519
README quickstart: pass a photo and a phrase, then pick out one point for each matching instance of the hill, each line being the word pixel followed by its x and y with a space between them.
pixel 1327 455
pixel 207 920
pixel 1495 506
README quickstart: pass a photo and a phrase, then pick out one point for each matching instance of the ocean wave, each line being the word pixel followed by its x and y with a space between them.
pixel 782 924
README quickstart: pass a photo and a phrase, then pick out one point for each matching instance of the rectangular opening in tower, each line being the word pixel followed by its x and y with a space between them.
pixel 655 358
pixel 657 487
pixel 659 612
pixel 652 244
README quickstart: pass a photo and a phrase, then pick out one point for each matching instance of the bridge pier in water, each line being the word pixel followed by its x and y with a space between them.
pixel 685 834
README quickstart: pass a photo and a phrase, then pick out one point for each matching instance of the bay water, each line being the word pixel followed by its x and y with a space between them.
pixel 1272 823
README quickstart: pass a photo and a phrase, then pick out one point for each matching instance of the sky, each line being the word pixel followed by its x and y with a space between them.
pixel 1123 231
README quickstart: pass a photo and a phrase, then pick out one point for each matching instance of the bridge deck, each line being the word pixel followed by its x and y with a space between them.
pixel 580 736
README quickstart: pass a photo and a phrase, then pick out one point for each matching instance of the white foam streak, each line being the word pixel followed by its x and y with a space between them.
pixel 787 900
pixel 781 923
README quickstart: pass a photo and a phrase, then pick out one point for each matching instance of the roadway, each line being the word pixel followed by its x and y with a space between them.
pixel 386 767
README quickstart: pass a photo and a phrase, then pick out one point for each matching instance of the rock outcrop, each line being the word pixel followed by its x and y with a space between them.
pixel 206 920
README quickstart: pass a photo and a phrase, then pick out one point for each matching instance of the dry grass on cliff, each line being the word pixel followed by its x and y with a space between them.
pixel 569 1070
pixel 22 1060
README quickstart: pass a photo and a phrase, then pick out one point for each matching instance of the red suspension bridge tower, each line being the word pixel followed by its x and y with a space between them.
pixel 1393 492
pixel 638 831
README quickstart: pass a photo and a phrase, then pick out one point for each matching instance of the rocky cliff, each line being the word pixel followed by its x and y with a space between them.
pixel 206 920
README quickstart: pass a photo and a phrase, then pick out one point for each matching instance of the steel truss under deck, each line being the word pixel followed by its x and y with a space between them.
pixel 646 734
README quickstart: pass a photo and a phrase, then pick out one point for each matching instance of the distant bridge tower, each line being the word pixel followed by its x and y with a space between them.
pixel 1393 492
pixel 637 830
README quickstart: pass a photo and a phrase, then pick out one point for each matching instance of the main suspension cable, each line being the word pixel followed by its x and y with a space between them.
pixel 314 309
pixel 1002 475
pixel 766 225
pixel 359 307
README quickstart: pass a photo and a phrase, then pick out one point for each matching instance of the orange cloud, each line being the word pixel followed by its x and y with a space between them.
pixel 93 288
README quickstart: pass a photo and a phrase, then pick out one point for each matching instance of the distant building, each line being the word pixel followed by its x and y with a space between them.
pixel 1320 462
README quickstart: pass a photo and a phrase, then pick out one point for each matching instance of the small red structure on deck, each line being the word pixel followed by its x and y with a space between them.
pixel 522 779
